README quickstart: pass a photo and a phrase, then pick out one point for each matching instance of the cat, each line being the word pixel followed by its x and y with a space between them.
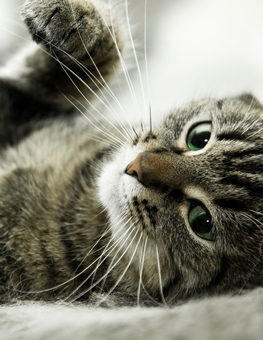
pixel 119 214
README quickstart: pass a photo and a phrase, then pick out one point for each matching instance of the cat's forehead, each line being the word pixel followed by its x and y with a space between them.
pixel 223 114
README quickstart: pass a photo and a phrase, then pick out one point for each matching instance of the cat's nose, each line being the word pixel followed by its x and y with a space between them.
pixel 134 168
pixel 157 169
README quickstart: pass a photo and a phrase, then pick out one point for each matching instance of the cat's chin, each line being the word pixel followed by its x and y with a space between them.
pixel 116 188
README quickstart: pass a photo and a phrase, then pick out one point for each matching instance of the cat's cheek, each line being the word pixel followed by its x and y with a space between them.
pixel 109 185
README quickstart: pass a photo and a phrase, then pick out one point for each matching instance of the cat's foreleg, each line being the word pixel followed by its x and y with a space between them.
pixel 79 43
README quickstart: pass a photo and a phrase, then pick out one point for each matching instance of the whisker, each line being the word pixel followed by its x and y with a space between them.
pixel 97 69
pixel 256 212
pixel 65 66
pixel 107 88
pixel 83 271
pixel 109 107
pixel 98 121
pixel 106 248
pixel 120 57
pixel 135 132
pixel 151 124
pixel 141 270
pixel 95 244
pixel 253 219
pixel 135 55
pixel 87 86
pixel 160 275
pixel 93 125
pixel 125 70
pixel 121 91
pixel 125 270
pixel 112 248
pixel 251 125
pixel 112 261
pixel 108 271
pixel 251 106
pixel 80 92
pixel 149 296
pixel 146 64
pixel 253 262
pixel 103 141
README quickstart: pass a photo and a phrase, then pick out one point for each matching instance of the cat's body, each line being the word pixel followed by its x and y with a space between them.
pixel 89 207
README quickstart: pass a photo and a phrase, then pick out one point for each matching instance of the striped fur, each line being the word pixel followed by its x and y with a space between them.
pixel 73 224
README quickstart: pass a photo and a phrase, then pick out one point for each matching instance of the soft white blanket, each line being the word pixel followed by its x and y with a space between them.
pixel 238 317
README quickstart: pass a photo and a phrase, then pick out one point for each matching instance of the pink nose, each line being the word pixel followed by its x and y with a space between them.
pixel 134 168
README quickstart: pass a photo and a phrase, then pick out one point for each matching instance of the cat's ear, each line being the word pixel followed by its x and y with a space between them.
pixel 250 100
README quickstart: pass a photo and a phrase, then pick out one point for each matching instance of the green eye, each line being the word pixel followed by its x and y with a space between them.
pixel 199 136
pixel 200 222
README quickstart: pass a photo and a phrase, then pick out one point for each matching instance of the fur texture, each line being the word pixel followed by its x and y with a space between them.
pixel 77 220
pixel 50 192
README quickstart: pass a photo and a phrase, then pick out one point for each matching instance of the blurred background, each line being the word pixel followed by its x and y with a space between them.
pixel 195 48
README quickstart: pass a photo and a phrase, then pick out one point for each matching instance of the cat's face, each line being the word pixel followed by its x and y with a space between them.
pixel 187 200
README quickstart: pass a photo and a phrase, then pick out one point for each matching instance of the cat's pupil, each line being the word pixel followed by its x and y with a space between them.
pixel 199 136
pixel 200 222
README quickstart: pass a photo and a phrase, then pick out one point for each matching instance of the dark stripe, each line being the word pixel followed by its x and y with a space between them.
pixel 136 209
pixel 81 180
pixel 151 213
pixel 48 259
pixel 221 274
pixel 77 267
pixel 148 137
pixel 220 104
pixel 158 186
pixel 178 151
pixel 52 16
pixel 253 189
pixel 174 149
pixel 176 195
pixel 231 204
pixel 78 187
pixel 2 248
pixel 135 201
pixel 71 30
pixel 135 141
pixel 15 280
pixel 109 282
pixel 242 153
pixel 232 135
pixel 20 112
pixel 3 262
pixel 247 167
pixel 172 283
pixel 159 150
pixel 71 251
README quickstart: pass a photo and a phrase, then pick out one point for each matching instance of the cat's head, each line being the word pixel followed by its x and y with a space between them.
pixel 185 201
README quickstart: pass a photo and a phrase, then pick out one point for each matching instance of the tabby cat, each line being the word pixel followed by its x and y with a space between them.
pixel 92 211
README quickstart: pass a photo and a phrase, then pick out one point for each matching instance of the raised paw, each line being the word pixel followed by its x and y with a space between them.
pixel 76 27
